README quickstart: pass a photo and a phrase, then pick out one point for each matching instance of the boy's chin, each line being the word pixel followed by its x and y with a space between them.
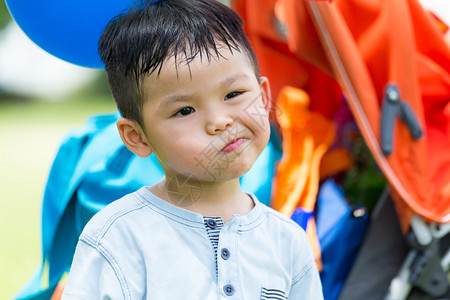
pixel 231 173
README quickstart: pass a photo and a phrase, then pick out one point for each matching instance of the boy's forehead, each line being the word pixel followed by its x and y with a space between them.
pixel 189 61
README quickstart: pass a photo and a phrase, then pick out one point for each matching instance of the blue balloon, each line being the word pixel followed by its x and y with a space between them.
pixel 67 29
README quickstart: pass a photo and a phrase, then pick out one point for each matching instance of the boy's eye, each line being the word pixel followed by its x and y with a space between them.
pixel 232 95
pixel 184 111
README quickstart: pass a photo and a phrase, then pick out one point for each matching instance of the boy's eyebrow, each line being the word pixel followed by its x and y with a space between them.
pixel 171 99
pixel 235 77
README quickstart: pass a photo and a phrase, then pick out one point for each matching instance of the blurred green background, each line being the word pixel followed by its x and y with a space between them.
pixel 32 127
pixel 31 131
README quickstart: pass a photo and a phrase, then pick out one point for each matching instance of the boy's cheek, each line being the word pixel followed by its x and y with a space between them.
pixel 259 117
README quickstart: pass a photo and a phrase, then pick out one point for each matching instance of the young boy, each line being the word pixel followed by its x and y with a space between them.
pixel 187 84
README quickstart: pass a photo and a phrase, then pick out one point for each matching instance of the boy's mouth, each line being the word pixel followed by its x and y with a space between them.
pixel 233 145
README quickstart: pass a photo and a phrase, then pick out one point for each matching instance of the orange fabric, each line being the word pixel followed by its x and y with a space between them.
pixel 274 57
pixel 280 64
pixel 440 24
pixel 57 294
pixel 311 232
pixel 366 44
pixel 306 138
pixel 335 161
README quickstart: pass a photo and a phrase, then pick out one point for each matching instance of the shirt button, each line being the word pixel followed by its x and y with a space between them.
pixel 211 223
pixel 229 290
pixel 225 253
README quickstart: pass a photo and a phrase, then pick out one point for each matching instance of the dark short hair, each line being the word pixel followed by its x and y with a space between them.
pixel 137 42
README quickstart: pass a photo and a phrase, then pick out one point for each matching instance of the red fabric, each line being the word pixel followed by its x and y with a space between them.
pixel 373 42
pixel 280 64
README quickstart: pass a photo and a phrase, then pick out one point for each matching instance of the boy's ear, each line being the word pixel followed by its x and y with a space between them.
pixel 133 137
pixel 265 93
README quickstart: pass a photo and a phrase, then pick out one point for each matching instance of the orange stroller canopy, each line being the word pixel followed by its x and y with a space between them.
pixel 367 45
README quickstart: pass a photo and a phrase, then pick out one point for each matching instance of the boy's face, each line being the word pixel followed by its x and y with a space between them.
pixel 207 119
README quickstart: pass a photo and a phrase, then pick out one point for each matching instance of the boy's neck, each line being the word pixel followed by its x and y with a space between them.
pixel 219 199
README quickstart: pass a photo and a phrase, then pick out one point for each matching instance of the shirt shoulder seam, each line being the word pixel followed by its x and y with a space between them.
pixel 111 261
pixel 283 219
pixel 112 219
pixel 302 273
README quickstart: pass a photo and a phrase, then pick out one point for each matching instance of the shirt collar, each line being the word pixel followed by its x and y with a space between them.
pixel 190 218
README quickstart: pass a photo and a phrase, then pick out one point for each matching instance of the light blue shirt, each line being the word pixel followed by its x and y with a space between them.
pixel 142 247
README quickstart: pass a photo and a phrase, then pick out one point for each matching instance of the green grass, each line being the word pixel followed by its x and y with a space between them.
pixel 30 135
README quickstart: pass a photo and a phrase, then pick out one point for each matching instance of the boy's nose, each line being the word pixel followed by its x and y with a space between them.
pixel 218 123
